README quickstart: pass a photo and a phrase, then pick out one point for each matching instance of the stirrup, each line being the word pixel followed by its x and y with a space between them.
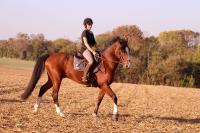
pixel 85 79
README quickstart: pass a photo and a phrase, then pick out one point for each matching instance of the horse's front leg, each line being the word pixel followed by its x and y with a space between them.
pixel 99 99
pixel 109 91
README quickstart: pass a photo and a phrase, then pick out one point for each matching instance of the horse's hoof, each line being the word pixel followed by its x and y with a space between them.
pixel 94 115
pixel 115 117
pixel 61 114
pixel 35 112
pixel 35 109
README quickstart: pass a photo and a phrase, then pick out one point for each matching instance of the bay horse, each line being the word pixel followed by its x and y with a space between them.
pixel 60 65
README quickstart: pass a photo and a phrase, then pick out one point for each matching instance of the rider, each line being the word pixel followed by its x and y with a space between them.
pixel 88 42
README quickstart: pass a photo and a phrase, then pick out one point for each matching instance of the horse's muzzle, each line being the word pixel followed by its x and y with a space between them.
pixel 127 65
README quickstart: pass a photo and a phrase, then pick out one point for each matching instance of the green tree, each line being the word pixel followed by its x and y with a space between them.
pixel 103 40
pixel 62 45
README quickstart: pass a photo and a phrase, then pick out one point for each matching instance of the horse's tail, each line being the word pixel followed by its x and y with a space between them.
pixel 37 72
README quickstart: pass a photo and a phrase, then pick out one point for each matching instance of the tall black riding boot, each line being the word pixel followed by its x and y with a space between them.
pixel 85 73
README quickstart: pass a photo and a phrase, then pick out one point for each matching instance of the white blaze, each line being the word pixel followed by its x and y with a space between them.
pixel 128 52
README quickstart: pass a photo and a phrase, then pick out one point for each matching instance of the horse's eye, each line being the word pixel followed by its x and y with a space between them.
pixel 123 50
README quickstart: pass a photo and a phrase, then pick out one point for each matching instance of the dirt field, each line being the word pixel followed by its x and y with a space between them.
pixel 142 108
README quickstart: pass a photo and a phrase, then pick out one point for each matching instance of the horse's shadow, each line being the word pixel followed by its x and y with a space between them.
pixel 172 118
pixel 78 114
pixel 120 116
pixel 3 101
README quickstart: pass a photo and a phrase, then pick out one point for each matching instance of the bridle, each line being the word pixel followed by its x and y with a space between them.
pixel 121 61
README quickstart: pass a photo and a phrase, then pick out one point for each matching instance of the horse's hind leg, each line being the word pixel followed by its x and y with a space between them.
pixel 56 86
pixel 43 89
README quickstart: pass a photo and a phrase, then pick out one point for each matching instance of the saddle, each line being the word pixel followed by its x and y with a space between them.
pixel 80 62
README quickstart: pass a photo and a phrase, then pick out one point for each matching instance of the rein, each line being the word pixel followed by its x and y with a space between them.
pixel 103 59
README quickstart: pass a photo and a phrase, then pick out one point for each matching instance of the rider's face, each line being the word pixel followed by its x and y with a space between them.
pixel 88 26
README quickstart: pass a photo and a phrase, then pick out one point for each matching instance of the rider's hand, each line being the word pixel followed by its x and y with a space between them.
pixel 94 53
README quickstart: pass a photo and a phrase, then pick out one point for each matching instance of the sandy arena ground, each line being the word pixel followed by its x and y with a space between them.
pixel 142 108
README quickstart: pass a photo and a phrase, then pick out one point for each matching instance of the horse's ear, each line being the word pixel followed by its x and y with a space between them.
pixel 126 39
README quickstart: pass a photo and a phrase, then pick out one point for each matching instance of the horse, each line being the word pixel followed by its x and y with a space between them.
pixel 60 65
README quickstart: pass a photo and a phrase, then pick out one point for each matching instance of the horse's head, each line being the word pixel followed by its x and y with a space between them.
pixel 122 51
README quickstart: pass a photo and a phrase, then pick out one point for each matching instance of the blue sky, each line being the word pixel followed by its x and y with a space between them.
pixel 62 18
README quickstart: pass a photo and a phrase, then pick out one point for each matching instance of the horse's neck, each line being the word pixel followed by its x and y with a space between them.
pixel 110 58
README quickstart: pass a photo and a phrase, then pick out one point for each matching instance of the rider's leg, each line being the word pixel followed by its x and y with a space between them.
pixel 88 56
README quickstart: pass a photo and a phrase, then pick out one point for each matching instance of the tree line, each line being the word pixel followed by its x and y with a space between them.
pixel 171 58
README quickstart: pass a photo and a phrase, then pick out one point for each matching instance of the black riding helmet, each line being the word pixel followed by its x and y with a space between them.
pixel 87 21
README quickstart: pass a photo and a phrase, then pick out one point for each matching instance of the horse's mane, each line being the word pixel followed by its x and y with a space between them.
pixel 115 39
pixel 122 41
